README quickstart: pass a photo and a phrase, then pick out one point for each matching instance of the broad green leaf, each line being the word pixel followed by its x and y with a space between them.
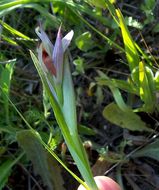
pixel 84 42
pixel 43 165
pixel 130 49
pixel 151 151
pixel 124 119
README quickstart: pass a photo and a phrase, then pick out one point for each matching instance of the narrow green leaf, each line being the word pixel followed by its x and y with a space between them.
pixel 124 119
pixel 9 7
pixel 5 82
pixel 112 10
pixel 14 31
pixel 86 130
pixel 5 170
pixel 130 49
pixel 147 87
pixel 69 100
pixel 157 81
pixel 115 91
pixel 126 86
pixel 9 40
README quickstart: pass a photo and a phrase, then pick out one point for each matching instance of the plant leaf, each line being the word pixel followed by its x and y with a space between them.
pixel 127 86
pixel 14 31
pixel 69 100
pixel 130 49
pixel 84 42
pixel 151 151
pixel 147 87
pixel 125 119
pixel 116 93
pixel 43 165
pixel 5 81
pixel 157 81
pixel 5 170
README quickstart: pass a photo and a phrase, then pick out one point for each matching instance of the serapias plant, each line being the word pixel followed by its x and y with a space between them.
pixel 52 65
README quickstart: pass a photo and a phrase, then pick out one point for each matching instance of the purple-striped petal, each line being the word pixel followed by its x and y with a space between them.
pixel 66 40
pixel 45 40
pixel 57 57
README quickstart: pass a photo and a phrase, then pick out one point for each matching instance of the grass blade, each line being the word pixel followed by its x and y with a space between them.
pixel 130 49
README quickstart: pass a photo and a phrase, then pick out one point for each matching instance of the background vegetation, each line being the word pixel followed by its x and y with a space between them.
pixel 114 64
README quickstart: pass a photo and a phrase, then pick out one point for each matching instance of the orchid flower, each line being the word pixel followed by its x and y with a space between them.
pixel 51 57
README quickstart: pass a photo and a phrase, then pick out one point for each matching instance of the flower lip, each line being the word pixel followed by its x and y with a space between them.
pixel 48 62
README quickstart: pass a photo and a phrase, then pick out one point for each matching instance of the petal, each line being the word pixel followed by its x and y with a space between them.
pixel 58 56
pixel 66 40
pixel 47 60
pixel 45 40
